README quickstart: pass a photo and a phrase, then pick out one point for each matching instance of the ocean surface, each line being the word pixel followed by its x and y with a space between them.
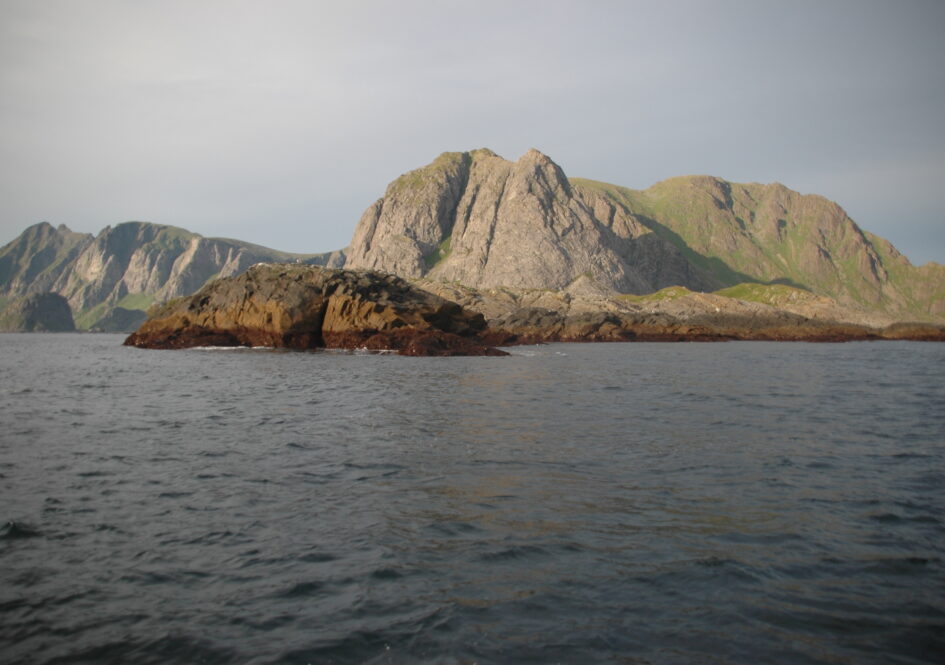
pixel 609 503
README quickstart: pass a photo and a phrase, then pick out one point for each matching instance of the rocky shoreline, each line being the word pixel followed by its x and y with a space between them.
pixel 674 315
pixel 306 307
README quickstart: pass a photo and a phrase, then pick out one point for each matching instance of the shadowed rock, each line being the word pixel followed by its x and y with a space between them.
pixel 307 307
pixel 41 312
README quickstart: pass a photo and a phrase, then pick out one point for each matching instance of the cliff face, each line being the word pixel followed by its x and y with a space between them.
pixel 126 267
pixel 306 307
pixel 40 312
pixel 480 220
pixel 39 258
pixel 484 222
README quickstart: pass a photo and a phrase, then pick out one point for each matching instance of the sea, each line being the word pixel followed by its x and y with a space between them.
pixel 635 503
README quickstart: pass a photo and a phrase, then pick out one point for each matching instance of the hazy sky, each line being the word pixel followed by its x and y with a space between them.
pixel 279 122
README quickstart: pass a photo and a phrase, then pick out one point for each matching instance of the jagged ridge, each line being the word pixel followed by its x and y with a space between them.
pixel 476 219
pixel 126 267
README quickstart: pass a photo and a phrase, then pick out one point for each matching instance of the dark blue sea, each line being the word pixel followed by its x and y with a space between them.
pixel 609 503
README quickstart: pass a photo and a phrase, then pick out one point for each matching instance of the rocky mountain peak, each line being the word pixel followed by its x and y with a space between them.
pixel 478 219
pixel 125 267
pixel 535 173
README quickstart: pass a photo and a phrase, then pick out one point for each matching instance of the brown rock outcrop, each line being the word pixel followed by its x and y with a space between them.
pixel 307 307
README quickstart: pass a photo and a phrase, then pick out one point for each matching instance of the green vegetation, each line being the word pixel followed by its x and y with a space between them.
pixel 136 301
pixel 37 312
pixel 433 172
pixel 172 238
pixel 87 318
pixel 439 254
pixel 669 293
pixel 741 233
pixel 768 294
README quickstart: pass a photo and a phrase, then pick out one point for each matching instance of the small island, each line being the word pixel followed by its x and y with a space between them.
pixel 307 307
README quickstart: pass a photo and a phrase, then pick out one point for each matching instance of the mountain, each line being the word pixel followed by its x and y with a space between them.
pixel 771 234
pixel 476 219
pixel 126 268
pixel 480 221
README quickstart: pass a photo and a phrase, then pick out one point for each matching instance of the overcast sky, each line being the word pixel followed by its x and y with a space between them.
pixel 279 122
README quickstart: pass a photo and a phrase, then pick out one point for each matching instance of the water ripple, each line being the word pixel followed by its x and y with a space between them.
pixel 653 503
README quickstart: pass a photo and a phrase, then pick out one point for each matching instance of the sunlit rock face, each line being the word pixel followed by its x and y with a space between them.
pixel 482 221
pixel 478 220
pixel 307 307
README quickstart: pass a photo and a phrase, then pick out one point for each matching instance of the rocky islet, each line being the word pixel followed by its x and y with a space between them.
pixel 307 307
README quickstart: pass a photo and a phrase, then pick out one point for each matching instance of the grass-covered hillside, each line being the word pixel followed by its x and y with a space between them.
pixel 770 234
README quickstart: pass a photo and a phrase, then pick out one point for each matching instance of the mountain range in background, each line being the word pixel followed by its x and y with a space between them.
pixel 474 221
pixel 110 279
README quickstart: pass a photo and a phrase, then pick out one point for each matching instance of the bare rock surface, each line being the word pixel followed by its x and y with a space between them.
pixel 524 316
pixel 307 307
pixel 476 219
pixel 128 266
pixel 480 220
pixel 521 236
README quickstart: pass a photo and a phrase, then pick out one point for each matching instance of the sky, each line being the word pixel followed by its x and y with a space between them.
pixel 280 122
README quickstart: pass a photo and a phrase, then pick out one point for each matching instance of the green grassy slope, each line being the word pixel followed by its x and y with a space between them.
pixel 773 235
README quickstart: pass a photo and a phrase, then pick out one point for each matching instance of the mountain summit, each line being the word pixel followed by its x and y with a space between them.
pixel 109 279
pixel 482 221
pixel 485 222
